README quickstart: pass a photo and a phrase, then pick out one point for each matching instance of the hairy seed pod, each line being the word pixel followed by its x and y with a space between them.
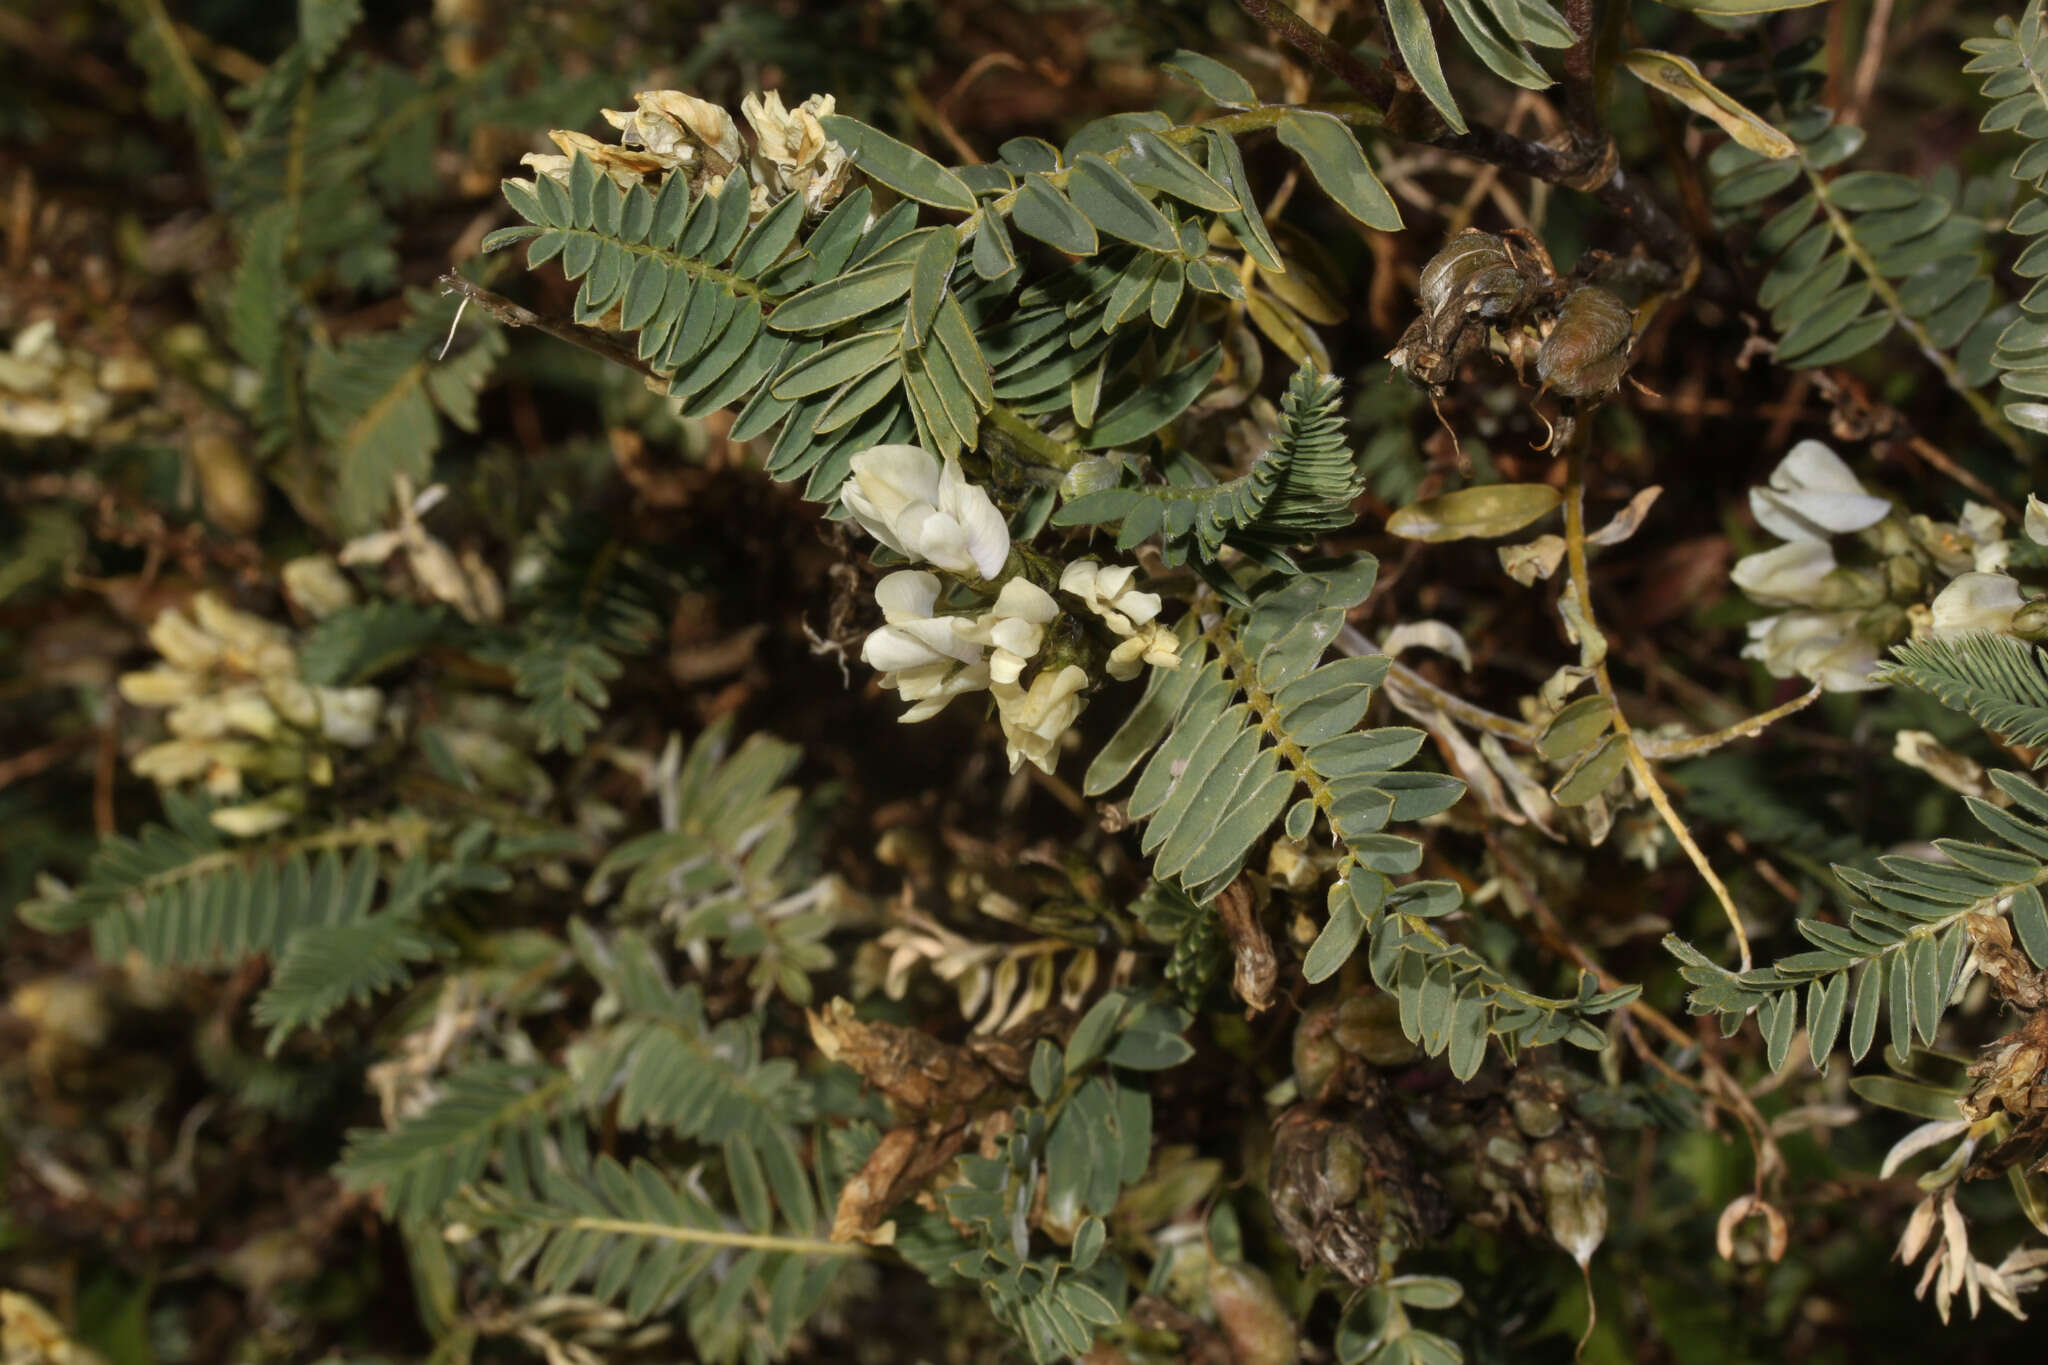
pixel 1254 1321
pixel 1472 274
pixel 1587 351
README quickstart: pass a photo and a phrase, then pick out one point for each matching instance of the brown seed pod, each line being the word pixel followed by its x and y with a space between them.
pixel 1589 346
pixel 1473 274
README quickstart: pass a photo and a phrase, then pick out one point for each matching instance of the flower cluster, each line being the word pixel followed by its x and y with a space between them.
pixel 668 130
pixel 925 509
pixel 238 708
pixel 1841 617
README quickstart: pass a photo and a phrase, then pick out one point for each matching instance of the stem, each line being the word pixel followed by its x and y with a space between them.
pixel 1951 373
pixel 751 1241
pixel 1581 586
pixel 1622 195
pixel 512 315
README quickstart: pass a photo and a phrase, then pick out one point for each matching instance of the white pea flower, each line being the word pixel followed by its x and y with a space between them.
pixel 1108 592
pixel 2036 524
pixel 1152 644
pixel 1821 645
pixel 1813 495
pixel 1034 718
pixel 928 659
pixel 925 508
pixel 1785 575
pixel 1014 628
pixel 1976 601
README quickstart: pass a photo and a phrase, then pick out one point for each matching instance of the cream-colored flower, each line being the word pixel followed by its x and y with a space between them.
pixel 1152 644
pixel 349 715
pixel 247 822
pixel 924 508
pixel 1014 628
pixel 792 155
pixel 249 644
pixel 624 165
pixel 161 686
pixel 318 586
pixel 1785 575
pixel 1034 718
pixel 927 659
pixel 1110 593
pixel 1822 645
pixel 680 130
pixel 2036 523
pixel 1813 495
pixel 1976 601
pixel 183 644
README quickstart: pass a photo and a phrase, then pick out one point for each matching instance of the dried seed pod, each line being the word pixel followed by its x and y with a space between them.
pixel 1473 274
pixel 1589 346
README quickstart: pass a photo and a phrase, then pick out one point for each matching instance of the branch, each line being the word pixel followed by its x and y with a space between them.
pixel 1582 590
pixel 1601 176
pixel 512 315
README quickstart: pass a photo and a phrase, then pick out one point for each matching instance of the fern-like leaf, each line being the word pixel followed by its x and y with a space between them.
pixel 728 864
pixel 1861 253
pixel 378 402
pixel 2014 64
pixel 645 1241
pixel 1303 486
pixel 594 602
pixel 1232 737
pixel 668 1067
pixel 1998 681
pixel 480 1109
pixel 1899 948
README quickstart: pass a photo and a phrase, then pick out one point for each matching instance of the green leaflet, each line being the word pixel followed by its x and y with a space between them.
pixel 1338 164
pixel 1409 21
pixel 1302 486
pixel 1109 201
pixel 902 168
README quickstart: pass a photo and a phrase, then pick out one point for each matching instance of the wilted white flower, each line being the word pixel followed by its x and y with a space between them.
pixel 1976 601
pixel 1152 644
pixel 1110 594
pixel 928 659
pixel 1034 718
pixel 624 165
pixel 1813 495
pixel 925 508
pixel 467 584
pixel 679 129
pixel 1821 645
pixel 792 155
pixel 1014 628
